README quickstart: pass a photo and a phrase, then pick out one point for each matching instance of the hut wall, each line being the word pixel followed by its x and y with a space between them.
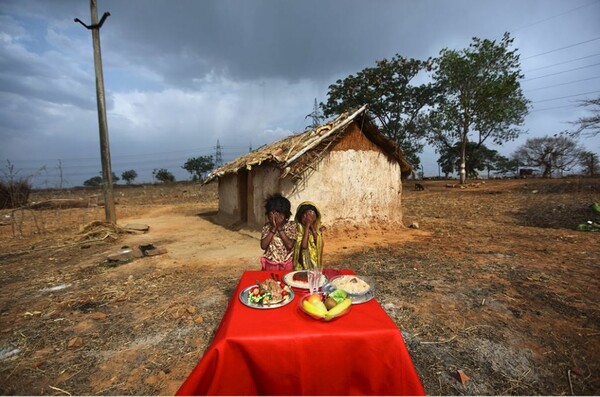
pixel 228 195
pixel 356 183
pixel 265 181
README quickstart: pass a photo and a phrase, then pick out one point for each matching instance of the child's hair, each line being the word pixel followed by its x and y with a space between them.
pixel 276 202
pixel 303 208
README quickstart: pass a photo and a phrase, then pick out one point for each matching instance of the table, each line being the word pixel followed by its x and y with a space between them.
pixel 283 351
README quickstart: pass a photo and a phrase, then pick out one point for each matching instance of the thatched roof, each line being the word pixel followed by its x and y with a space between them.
pixel 298 153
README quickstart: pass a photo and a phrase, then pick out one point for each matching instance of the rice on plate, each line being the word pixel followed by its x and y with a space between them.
pixel 351 284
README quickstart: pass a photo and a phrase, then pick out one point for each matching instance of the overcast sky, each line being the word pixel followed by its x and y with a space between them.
pixel 181 75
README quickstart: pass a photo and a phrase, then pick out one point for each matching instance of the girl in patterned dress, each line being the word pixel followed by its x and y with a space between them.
pixel 278 234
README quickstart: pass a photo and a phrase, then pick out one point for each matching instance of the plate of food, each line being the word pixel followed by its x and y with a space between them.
pixel 268 294
pixel 299 279
pixel 360 289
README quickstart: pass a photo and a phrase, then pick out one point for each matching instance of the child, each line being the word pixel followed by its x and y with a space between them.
pixel 278 234
pixel 308 251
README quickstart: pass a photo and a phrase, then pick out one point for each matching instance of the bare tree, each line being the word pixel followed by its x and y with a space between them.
pixel 553 154
pixel 590 125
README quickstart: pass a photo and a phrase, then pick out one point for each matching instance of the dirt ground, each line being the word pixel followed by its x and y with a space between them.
pixel 495 282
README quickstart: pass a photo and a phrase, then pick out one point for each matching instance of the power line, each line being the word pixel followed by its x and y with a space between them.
pixel 564 71
pixel 562 48
pixel 570 82
pixel 556 15
pixel 561 63
pixel 552 108
pixel 566 96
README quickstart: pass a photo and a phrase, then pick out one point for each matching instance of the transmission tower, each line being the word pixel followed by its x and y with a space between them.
pixel 218 155
pixel 316 116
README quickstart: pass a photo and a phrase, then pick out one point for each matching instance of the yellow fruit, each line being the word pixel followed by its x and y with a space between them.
pixel 338 309
pixel 312 309
pixel 314 298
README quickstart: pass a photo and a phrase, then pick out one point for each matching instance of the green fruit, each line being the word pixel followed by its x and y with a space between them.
pixel 314 309
pixel 338 309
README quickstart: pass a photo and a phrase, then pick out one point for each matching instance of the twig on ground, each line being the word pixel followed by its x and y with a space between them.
pixel 60 390
pixel 441 341
pixel 570 383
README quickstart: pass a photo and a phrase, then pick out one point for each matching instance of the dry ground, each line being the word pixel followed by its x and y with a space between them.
pixel 495 282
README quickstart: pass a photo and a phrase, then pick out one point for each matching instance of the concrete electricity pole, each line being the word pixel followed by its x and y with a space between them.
pixel 107 183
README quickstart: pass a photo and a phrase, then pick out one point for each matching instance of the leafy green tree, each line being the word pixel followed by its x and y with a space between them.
pixel 93 181
pixel 553 154
pixel 478 158
pixel 479 94
pixel 163 175
pixel 590 163
pixel 199 166
pixel 98 180
pixel 589 125
pixel 129 176
pixel 504 165
pixel 396 103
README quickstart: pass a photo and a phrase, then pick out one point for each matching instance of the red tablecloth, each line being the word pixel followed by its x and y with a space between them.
pixel 282 351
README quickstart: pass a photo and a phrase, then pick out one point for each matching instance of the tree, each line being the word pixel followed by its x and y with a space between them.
pixel 93 181
pixel 479 94
pixel 553 154
pixel 129 176
pixel 98 180
pixel 396 104
pixel 590 125
pixel 163 175
pixel 478 158
pixel 590 163
pixel 199 166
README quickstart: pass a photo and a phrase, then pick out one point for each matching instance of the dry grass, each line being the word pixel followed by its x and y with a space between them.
pixel 503 288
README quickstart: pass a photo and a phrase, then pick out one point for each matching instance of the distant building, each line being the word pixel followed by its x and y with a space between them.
pixel 347 167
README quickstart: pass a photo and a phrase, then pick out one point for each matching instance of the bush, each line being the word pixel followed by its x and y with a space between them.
pixel 14 194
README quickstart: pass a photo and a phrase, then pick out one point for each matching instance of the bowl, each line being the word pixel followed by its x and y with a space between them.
pixel 320 317
pixel 360 289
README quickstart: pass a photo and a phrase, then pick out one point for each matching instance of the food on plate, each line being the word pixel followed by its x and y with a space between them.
pixel 301 277
pixel 351 284
pixel 268 292
pixel 325 307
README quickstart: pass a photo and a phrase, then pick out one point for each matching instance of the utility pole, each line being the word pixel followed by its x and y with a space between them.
pixel 107 184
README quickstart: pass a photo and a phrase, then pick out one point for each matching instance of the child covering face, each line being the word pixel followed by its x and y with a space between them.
pixel 278 234
pixel 308 251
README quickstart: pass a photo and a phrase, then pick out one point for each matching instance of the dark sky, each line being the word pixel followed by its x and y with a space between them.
pixel 182 75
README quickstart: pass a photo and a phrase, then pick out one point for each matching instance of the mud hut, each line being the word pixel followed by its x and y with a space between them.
pixel 347 167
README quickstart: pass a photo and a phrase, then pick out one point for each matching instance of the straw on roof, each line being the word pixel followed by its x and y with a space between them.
pixel 297 153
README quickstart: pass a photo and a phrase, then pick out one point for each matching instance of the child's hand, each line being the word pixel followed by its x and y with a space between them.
pixel 273 220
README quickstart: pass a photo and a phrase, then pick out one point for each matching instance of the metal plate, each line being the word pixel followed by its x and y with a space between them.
pixel 356 299
pixel 289 280
pixel 246 292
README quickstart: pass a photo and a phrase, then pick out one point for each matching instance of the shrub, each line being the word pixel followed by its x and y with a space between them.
pixel 14 194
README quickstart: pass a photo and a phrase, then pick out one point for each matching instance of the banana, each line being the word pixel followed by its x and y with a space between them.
pixel 312 309
pixel 338 309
